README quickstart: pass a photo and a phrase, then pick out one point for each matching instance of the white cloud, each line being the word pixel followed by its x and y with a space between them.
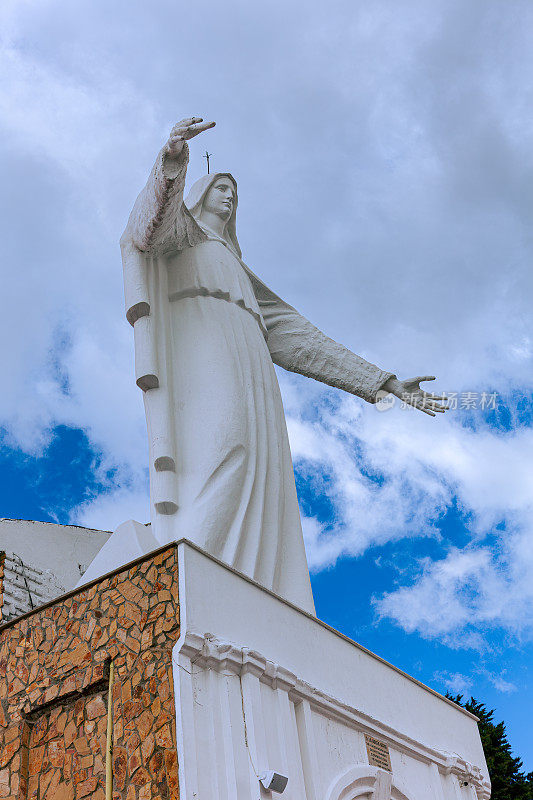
pixel 499 682
pixel 367 513
pixel 392 476
pixel 454 682
pixel 469 592
pixel 507 687
pixel 458 683
pixel 108 510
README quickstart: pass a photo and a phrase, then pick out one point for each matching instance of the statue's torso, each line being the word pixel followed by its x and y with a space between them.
pixel 210 269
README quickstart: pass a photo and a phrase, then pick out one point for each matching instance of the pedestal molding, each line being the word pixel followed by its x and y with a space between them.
pixel 206 651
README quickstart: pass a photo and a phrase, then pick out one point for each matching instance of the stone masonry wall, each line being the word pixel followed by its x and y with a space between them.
pixel 54 681
pixel 2 562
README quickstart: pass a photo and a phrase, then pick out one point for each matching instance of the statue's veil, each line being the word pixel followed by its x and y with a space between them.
pixel 195 200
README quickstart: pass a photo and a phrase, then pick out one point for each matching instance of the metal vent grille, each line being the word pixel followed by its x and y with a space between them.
pixel 378 753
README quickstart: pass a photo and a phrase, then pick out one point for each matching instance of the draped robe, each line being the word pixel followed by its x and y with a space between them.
pixel 207 333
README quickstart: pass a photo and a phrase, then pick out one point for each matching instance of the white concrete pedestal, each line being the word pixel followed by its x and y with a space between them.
pixel 261 685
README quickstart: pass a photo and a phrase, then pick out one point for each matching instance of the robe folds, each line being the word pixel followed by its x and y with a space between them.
pixel 207 334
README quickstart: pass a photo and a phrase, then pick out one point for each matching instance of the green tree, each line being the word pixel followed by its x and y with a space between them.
pixel 508 780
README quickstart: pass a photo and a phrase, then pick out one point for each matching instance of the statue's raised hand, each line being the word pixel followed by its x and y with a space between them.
pixel 410 392
pixel 186 129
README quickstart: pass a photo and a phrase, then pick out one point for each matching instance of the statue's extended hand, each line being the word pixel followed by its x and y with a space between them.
pixel 186 129
pixel 410 392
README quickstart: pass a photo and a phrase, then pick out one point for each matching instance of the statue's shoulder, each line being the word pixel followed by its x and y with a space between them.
pixel 194 233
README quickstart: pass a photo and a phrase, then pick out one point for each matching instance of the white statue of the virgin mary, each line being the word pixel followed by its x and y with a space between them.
pixel 207 335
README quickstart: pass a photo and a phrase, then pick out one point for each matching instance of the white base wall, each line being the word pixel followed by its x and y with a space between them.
pixel 64 550
pixel 262 685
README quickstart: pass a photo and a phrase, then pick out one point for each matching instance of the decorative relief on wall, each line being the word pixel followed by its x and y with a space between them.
pixel 205 652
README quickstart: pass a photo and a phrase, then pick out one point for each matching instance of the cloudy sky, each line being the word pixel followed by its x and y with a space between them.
pixel 384 153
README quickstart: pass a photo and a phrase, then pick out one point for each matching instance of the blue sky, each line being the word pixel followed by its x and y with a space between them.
pixel 385 166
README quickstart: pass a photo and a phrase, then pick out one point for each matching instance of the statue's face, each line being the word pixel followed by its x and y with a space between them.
pixel 220 199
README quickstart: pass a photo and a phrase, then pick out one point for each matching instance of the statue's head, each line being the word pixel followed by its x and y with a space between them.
pixel 217 194
pixel 220 198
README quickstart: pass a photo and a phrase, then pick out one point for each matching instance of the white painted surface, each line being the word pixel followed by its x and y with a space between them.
pixel 129 541
pixel 64 550
pixel 262 685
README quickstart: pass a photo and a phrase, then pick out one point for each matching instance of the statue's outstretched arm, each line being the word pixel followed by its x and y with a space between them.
pixel 157 212
pixel 159 221
pixel 298 346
